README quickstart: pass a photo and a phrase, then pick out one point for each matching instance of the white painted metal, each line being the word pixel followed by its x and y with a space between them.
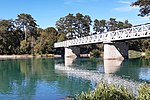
pixel 135 32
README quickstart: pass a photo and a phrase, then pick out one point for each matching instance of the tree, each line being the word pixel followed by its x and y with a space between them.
pixel 65 25
pixel 74 26
pixel 99 25
pixel 82 25
pixel 46 40
pixel 112 24
pixel 143 44
pixel 144 7
pixel 27 24
pixel 9 37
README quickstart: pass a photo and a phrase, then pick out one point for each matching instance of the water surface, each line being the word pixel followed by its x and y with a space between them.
pixel 53 79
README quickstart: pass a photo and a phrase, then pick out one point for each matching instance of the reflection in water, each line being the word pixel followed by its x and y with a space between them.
pixel 95 76
pixel 44 78
pixel 132 69
pixel 69 61
pixel 35 79
pixel 111 66
pixel 144 74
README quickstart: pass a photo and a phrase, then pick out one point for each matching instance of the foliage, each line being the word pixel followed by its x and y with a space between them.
pixel 101 26
pixel 107 92
pixel 61 37
pixel 95 53
pixel 144 7
pixel 144 92
pixel 140 45
pixel 22 35
pixel 27 24
pixel 134 54
pixel 74 26
pixel 9 37
pixel 110 92
pixel 46 41
pixel 25 47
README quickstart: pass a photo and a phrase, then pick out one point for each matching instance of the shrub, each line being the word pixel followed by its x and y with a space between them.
pixel 95 53
pixel 144 92
pixel 107 92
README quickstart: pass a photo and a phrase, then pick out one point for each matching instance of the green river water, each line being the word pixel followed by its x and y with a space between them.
pixel 55 79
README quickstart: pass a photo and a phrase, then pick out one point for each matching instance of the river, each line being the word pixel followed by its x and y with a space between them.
pixel 54 79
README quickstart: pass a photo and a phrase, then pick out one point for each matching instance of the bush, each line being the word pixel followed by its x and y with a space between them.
pixel 144 92
pixel 25 47
pixel 107 92
pixel 95 53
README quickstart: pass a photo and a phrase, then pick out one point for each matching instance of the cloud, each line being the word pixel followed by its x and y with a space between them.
pixel 125 6
pixel 124 2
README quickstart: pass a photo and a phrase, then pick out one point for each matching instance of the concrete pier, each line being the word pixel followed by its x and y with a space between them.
pixel 72 52
pixel 115 50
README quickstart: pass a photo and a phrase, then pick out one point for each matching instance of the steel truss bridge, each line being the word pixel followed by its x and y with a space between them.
pixel 135 32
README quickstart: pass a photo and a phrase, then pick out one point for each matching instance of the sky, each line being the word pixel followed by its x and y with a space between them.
pixel 47 12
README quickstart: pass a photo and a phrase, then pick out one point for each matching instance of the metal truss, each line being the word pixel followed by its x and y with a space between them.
pixel 135 32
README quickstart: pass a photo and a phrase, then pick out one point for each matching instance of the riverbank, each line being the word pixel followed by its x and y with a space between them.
pixel 26 56
pixel 138 54
pixel 132 54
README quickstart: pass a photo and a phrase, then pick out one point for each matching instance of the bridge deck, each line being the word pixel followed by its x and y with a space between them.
pixel 135 32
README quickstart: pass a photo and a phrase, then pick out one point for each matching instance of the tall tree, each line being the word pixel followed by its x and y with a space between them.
pixel 82 25
pixel 46 41
pixel 27 24
pixel 144 7
pixel 99 25
pixel 9 37
pixel 66 25
pixel 74 26
pixel 112 24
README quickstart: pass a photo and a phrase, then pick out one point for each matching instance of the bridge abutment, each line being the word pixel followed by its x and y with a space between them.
pixel 116 50
pixel 72 52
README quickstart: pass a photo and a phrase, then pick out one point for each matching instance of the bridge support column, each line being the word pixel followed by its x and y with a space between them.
pixel 116 50
pixel 72 52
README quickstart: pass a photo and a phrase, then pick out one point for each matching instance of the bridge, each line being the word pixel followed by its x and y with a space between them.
pixel 115 45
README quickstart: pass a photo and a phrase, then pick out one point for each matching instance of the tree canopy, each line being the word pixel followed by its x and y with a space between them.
pixel 112 24
pixel 144 7
pixel 74 26
pixel 23 35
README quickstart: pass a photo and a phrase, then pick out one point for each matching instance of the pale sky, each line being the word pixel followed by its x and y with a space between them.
pixel 47 12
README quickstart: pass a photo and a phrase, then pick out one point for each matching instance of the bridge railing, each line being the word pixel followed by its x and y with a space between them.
pixel 134 32
pixel 139 31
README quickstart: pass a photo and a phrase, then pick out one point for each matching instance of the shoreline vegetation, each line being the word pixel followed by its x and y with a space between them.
pixel 26 56
pixel 132 54
pixel 106 91
pixel 23 35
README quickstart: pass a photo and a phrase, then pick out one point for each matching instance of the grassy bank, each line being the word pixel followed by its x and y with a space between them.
pixel 134 54
pixel 137 54
pixel 25 56
pixel 110 92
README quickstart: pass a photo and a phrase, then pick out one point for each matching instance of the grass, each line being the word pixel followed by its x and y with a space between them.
pixel 134 54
